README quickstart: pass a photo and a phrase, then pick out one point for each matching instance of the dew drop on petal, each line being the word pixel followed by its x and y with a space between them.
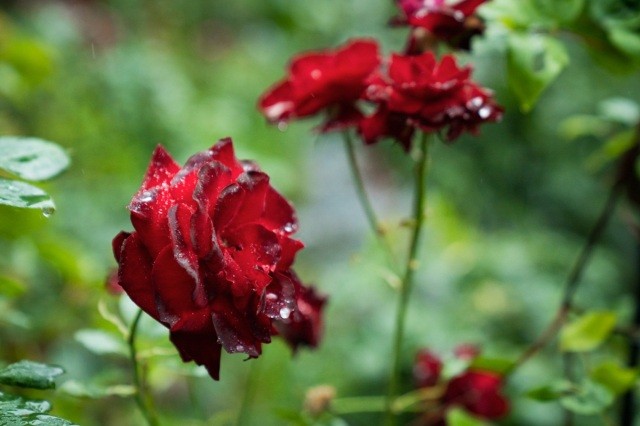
pixel 285 312
pixel 239 348
pixel 484 112
pixel 289 227
pixel 282 126
pixel 146 196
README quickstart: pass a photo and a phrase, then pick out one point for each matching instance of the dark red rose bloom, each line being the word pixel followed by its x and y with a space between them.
pixel 454 24
pixel 420 92
pixel 211 245
pixel 479 392
pixel 304 326
pixel 426 369
pixel 330 81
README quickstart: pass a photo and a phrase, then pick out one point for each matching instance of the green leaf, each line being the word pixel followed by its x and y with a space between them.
pixel 515 15
pixel 590 398
pixel 20 194
pixel 29 374
pixel 620 110
pixel 31 158
pixel 16 411
pixel 11 287
pixel 534 61
pixel 81 390
pixel 626 40
pixel 560 10
pixel 497 365
pixel 101 342
pixel 459 417
pixel 581 125
pixel 613 148
pixel 588 332
pixel 614 377
pixel 550 392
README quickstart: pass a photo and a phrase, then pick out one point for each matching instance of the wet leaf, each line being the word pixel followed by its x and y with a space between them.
pixel 16 411
pixel 31 158
pixel 29 374
pixel 23 195
pixel 587 332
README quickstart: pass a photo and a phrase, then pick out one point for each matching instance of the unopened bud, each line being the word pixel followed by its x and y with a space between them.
pixel 318 399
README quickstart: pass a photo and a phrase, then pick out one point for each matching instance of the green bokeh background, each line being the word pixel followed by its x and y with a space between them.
pixel 508 210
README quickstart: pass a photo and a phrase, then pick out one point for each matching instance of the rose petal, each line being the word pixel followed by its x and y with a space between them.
pixel 201 348
pixel 134 274
pixel 161 169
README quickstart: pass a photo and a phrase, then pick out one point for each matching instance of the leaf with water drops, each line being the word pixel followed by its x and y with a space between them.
pixel 23 195
pixel 31 158
pixel 29 374
pixel 16 411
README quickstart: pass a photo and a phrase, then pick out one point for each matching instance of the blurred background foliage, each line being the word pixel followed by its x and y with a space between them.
pixel 508 211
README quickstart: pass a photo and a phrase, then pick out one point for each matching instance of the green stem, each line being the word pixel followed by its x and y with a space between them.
pixel 573 280
pixel 141 398
pixel 420 200
pixel 365 202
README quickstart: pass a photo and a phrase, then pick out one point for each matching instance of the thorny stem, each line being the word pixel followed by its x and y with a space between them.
pixel 141 398
pixel 365 202
pixel 407 281
pixel 573 280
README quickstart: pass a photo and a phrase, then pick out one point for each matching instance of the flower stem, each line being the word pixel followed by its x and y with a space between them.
pixel 365 202
pixel 142 399
pixel 420 199
pixel 573 280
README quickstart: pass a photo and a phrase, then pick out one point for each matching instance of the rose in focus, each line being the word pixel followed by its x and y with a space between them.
pixel 211 257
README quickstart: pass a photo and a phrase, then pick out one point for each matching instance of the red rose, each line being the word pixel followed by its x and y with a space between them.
pixel 212 240
pixel 420 92
pixel 454 24
pixel 426 369
pixel 325 80
pixel 479 392
pixel 304 326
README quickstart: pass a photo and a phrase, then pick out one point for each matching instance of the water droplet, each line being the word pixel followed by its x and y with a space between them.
pixel 477 102
pixel 316 74
pixel 282 126
pixel 484 112
pixel 146 196
pixel 289 227
pixel 239 348
pixel 285 312
pixel 47 211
